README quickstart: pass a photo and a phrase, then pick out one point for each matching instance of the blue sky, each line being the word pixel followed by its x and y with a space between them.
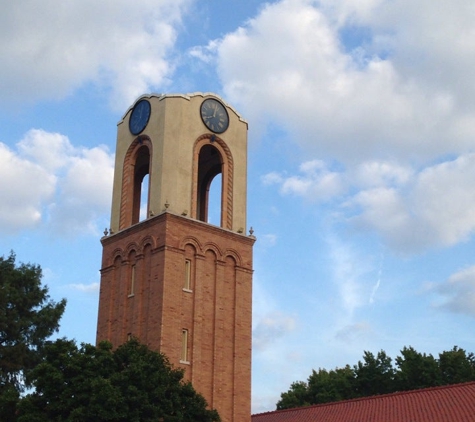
pixel 361 159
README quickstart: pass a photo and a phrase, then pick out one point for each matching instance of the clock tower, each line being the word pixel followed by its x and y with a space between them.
pixel 169 278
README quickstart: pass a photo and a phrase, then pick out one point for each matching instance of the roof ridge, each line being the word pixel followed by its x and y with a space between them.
pixel 373 397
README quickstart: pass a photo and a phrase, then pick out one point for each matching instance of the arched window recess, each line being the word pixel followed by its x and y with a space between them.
pixel 140 198
pixel 212 171
pixel 136 182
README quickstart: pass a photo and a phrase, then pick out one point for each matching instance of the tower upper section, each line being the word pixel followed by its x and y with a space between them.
pixel 182 142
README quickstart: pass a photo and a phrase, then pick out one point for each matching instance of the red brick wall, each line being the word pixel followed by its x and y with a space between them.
pixel 216 312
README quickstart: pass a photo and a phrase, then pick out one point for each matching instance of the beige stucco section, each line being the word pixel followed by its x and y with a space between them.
pixel 174 127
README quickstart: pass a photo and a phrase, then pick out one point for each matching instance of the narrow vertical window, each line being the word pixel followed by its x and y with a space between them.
pixel 184 346
pixel 214 200
pixel 144 192
pixel 187 280
pixel 132 281
pixel 141 187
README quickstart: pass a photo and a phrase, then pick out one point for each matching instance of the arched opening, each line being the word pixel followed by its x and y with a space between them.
pixel 141 189
pixel 210 165
pixel 212 158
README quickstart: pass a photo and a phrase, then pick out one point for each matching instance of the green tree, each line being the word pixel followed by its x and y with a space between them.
pixel 319 387
pixel 334 385
pixel 322 387
pixel 416 370
pixel 375 375
pixel 295 397
pixel 456 366
pixel 131 383
pixel 27 318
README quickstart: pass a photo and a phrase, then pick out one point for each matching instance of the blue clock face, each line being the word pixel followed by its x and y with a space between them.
pixel 139 117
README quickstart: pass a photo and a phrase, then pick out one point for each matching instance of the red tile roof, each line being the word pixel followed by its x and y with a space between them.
pixel 453 403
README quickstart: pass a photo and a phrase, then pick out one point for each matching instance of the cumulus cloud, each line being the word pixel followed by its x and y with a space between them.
pixel 24 188
pixel 458 292
pixel 49 181
pixel 355 83
pixel 48 150
pixel 85 191
pixel 378 173
pixel 126 47
pixel 316 181
pixel 380 99
pixel 411 209
pixel 436 208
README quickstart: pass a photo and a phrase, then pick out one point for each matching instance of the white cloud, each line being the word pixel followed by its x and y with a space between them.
pixel 445 198
pixel 384 211
pixel 437 207
pixel 458 292
pixel 85 191
pixel 48 181
pixel 410 209
pixel 24 188
pixel 385 109
pixel 272 178
pixel 384 99
pixel 206 54
pixel 349 273
pixel 48 150
pixel 316 181
pixel 85 288
pixel 381 174
pixel 124 45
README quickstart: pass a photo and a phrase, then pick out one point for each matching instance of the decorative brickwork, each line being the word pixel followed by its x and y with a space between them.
pixel 216 311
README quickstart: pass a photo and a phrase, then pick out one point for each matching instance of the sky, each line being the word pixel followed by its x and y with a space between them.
pixel 361 159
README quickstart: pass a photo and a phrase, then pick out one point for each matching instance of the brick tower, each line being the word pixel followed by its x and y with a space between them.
pixel 169 278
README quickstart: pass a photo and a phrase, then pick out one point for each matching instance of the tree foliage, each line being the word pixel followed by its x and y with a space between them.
pixel 416 370
pixel 377 375
pixel 131 383
pixel 374 375
pixel 27 318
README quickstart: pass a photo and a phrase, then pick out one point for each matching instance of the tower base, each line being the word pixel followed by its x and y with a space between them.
pixel 186 297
